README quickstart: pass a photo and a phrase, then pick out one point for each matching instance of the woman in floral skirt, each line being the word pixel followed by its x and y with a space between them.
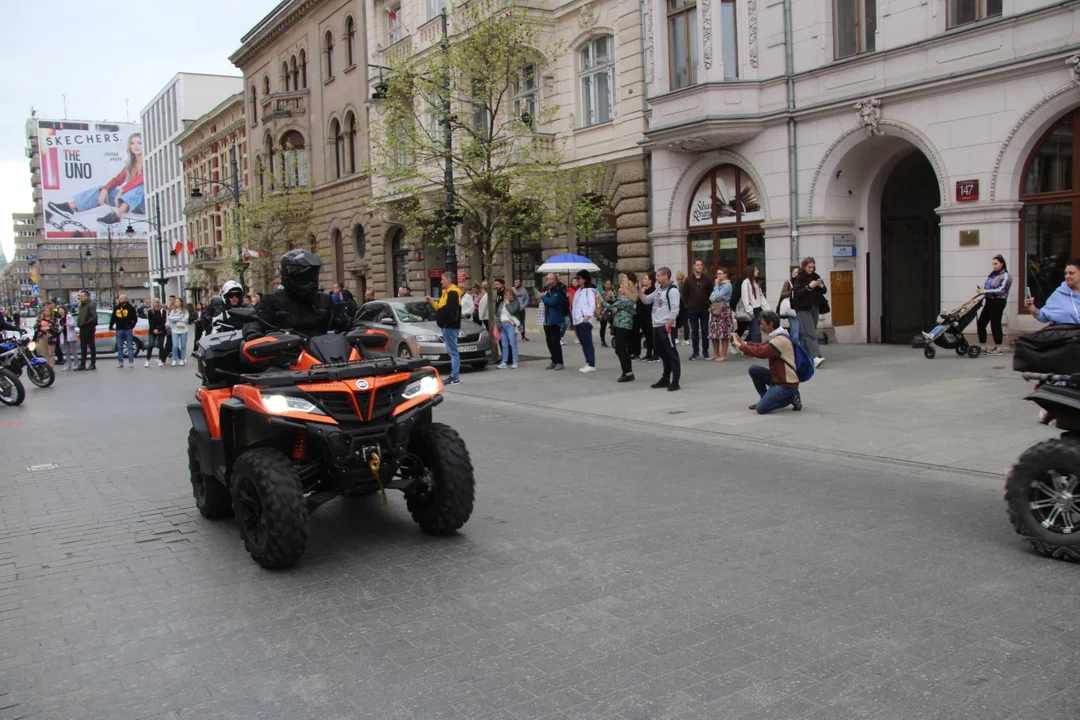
pixel 721 319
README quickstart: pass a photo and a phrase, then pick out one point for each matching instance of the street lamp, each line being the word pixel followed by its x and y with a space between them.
pixel 234 186
pixel 130 232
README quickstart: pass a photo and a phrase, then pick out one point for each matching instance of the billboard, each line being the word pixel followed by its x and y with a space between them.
pixel 91 179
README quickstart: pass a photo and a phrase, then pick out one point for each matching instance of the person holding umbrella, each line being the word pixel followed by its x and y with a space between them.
pixel 555 304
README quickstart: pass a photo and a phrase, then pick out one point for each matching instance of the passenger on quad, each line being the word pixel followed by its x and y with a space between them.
pixel 233 293
pixel 297 305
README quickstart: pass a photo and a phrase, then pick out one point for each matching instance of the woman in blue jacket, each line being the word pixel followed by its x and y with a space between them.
pixel 996 292
pixel 1063 305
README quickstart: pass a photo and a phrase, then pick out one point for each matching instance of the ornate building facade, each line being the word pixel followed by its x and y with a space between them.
pixel 207 146
pixel 305 81
pixel 902 147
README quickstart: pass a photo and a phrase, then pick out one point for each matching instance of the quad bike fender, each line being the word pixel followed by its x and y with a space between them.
pixel 243 429
pixel 1062 405
pixel 211 449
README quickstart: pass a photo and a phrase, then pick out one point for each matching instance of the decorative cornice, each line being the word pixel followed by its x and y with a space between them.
pixel 274 28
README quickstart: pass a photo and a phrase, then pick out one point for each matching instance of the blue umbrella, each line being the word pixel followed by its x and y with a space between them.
pixel 568 262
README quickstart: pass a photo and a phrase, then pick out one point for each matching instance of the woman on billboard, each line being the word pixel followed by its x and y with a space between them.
pixel 124 193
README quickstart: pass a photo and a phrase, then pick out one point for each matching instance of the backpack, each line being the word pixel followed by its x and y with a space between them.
pixel 804 364
pixel 564 305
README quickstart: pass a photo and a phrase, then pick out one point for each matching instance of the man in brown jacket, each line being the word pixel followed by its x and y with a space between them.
pixel 86 320
pixel 696 289
pixel 777 385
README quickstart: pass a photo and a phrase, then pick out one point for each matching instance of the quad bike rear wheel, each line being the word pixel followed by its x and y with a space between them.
pixel 445 506
pixel 1042 494
pixel 211 497
pixel 269 503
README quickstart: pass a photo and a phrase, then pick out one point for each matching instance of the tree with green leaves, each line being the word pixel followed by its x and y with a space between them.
pixel 510 182
pixel 271 222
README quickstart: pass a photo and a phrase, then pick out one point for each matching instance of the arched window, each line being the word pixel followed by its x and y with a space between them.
pixel 285 76
pixel 328 41
pixel 266 84
pixel 1050 191
pixel 359 241
pixel 303 70
pixel 724 222
pixel 339 148
pixel 254 105
pixel 399 256
pixel 294 157
pixel 350 143
pixel 350 41
pixel 295 70
pixel 268 170
pixel 339 255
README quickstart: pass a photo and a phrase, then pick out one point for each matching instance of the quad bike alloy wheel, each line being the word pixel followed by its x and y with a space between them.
pixel 1042 494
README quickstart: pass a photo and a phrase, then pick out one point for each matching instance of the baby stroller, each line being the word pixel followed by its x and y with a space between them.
pixel 949 332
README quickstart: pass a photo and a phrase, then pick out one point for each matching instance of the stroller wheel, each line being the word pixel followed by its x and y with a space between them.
pixel 962 348
pixel 974 351
pixel 929 351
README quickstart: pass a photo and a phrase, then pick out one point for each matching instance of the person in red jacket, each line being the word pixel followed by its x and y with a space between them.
pixel 124 193
pixel 777 385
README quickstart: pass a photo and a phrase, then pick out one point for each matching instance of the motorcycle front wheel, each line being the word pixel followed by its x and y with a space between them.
pixel 12 391
pixel 41 375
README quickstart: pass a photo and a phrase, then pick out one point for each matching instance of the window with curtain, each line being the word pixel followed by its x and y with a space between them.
pixel 597 77
pixel 285 76
pixel 435 7
pixel 854 27
pixel 729 40
pixel 295 71
pixel 254 105
pixel 350 143
pixel 394 29
pixel 682 42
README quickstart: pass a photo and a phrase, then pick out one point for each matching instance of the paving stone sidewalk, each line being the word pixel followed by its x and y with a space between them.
pixel 875 400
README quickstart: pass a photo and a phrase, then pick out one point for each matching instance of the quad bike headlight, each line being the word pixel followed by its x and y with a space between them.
pixel 280 404
pixel 426 385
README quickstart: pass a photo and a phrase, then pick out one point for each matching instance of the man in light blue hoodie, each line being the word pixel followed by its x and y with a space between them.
pixel 1063 305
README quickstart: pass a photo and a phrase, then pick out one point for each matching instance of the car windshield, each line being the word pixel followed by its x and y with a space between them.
pixel 415 312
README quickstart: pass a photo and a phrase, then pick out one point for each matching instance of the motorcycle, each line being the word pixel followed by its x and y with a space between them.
pixel 1042 491
pixel 18 353
pixel 11 389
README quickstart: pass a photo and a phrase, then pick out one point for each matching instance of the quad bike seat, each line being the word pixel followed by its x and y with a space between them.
pixel 330 348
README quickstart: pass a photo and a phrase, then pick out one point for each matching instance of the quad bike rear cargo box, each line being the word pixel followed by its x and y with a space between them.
pixel 1053 349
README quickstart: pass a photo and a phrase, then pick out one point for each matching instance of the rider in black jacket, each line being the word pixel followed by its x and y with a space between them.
pixel 233 294
pixel 298 305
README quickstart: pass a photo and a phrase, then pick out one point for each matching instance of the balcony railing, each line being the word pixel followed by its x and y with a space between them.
pixel 207 253
pixel 284 105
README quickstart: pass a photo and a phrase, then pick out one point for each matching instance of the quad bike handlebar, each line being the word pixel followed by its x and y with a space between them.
pixel 1053 378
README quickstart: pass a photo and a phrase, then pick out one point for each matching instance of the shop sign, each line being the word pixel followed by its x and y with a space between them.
pixel 437 273
pixel 729 243
pixel 967 190
pixel 701 245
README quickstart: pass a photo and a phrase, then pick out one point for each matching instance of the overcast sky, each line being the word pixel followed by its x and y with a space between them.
pixel 109 63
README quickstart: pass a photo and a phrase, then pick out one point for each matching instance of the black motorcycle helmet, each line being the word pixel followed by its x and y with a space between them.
pixel 300 272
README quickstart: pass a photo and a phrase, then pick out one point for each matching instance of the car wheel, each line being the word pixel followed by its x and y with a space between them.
pixel 479 365
pixel 404 351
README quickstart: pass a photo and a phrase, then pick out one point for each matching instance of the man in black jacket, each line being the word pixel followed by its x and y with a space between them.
pixel 156 337
pixel 123 319
pixel 298 305
pixel 86 321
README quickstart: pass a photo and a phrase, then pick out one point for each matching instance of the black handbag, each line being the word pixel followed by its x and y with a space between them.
pixel 1053 349
pixel 823 306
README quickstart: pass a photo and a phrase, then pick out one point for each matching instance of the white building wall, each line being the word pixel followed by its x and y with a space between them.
pixel 974 100
pixel 186 97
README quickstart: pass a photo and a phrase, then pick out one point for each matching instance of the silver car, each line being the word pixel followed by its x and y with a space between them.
pixel 413 332
pixel 105 339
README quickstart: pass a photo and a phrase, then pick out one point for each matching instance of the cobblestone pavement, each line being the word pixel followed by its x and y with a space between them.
pixel 611 570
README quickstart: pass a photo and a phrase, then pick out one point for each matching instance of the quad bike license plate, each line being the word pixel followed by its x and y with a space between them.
pixel 467 348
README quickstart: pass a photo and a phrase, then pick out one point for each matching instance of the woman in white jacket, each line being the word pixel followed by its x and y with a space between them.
pixel 752 301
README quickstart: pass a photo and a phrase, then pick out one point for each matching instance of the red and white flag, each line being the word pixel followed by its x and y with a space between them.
pixel 393 13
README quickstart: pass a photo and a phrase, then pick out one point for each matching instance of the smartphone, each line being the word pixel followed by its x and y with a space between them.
pixel 1027 292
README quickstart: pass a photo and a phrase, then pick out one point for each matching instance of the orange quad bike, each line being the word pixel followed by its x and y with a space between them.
pixel 283 423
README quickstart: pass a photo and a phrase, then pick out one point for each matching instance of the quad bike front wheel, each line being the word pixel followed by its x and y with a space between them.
pixel 211 497
pixel 41 375
pixel 444 506
pixel 269 503
pixel 12 391
pixel 1042 494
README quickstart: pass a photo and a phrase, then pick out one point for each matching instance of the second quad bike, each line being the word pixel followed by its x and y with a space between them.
pixel 1042 492
pixel 283 423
